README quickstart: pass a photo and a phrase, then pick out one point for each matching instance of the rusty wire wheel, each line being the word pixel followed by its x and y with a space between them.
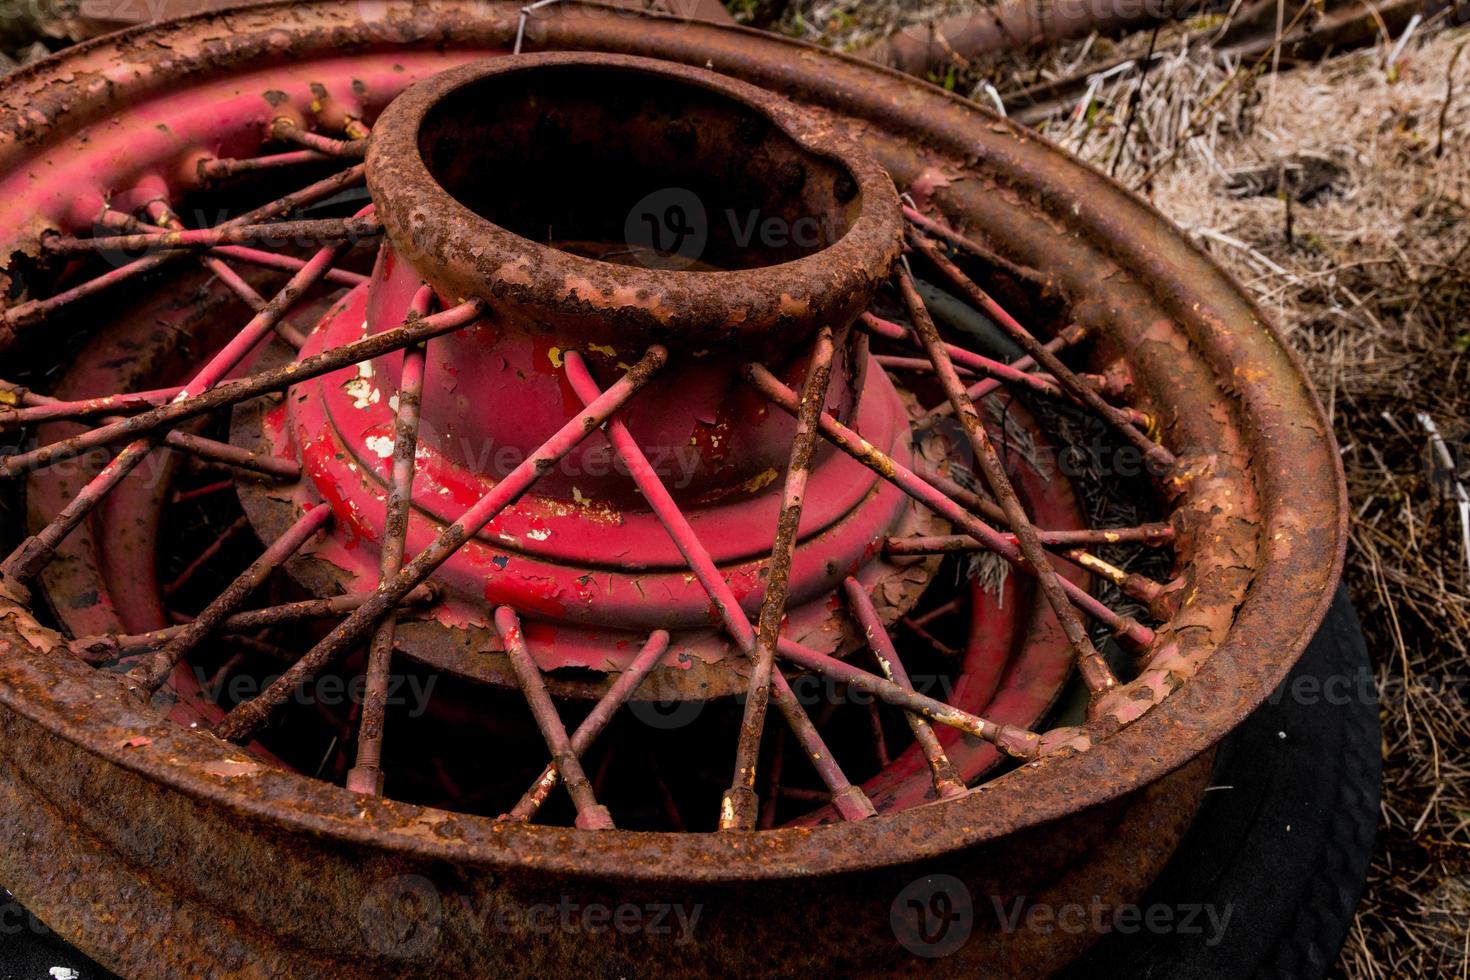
pixel 969 468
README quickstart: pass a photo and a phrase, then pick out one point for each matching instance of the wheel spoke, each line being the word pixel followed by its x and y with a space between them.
pixel 30 313
pixel 223 168
pixel 592 726
pixel 591 815
pixel 98 650
pixel 367 775
pixel 947 781
pixel 927 494
pixel 738 810
pixel 1118 418
pixel 248 717
pixel 153 671
pixel 252 386
pixel 286 130
pixel 38 550
pixel 316 231
pixel 850 800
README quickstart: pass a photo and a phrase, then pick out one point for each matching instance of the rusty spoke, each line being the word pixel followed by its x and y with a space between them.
pixel 41 408
pixel 102 649
pixel 223 168
pixel 315 231
pixel 154 670
pixel 37 551
pixel 1121 420
pixel 30 313
pixel 739 808
pixel 1067 337
pixel 367 775
pixel 593 725
pixel 244 254
pixel 1150 535
pixel 1131 584
pixel 1094 669
pixel 926 493
pixel 851 802
pixel 252 386
pixel 286 130
pixel 591 815
pixel 947 781
pixel 167 219
pixel 248 717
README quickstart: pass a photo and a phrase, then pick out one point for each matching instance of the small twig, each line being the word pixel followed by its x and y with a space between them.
pixel 1136 98
pixel 1462 498
pixel 1449 94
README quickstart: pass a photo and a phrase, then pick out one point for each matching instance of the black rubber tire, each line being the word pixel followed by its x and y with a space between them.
pixel 1283 842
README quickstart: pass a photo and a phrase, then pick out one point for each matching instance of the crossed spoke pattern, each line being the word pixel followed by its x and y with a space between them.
pixel 988 518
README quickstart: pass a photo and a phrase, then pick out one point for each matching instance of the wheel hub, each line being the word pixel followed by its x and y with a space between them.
pixel 589 566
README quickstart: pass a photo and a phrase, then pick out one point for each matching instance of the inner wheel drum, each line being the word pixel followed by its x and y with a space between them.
pixel 611 410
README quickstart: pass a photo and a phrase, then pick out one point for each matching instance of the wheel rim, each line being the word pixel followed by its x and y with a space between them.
pixel 1259 572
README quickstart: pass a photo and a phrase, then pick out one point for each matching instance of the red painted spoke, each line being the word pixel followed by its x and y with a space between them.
pixel 97 650
pixel 591 815
pixel 35 552
pixel 1067 338
pixel 998 372
pixel 247 718
pixel 286 130
pixel 1094 669
pixel 367 775
pixel 593 725
pixel 993 259
pixel 36 311
pixel 230 455
pixel 239 253
pixel 153 671
pixel 234 392
pixel 40 408
pixel 1132 584
pixel 930 496
pixel 947 781
pixel 284 263
pixel 317 231
pixel 739 808
pixel 1015 741
pixel 889 330
pixel 161 213
pixel 1119 419
pixel 851 802
pixel 1152 535
pixel 223 168
pixel 210 553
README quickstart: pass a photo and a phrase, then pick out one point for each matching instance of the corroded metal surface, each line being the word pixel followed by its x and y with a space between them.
pixel 1257 516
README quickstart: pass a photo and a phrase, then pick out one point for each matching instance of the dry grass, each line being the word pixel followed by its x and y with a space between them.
pixel 1326 192
pixel 1371 283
